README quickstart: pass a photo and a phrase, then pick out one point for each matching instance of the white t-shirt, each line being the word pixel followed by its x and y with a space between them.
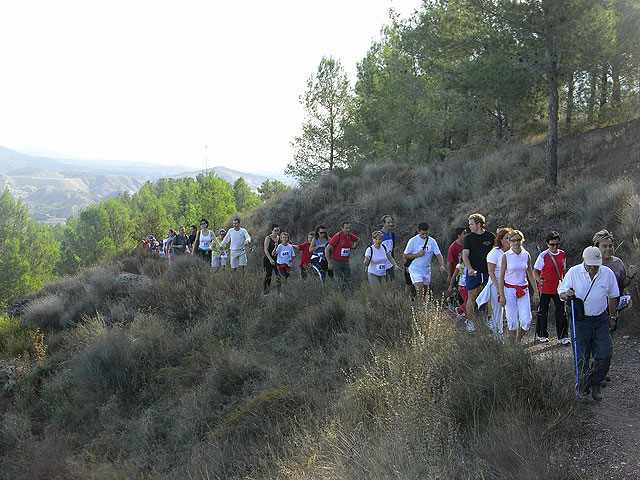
pixel 495 256
pixel 421 264
pixel 517 264
pixel 237 238
pixel 284 254
pixel 604 286
pixel 378 264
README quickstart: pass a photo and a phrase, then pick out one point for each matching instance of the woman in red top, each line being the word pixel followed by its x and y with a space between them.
pixel 549 271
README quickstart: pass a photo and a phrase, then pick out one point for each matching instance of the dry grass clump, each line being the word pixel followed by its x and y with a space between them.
pixel 419 412
pixel 317 384
pixel 65 302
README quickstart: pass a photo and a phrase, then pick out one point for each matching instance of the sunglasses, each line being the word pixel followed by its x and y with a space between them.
pixel 516 240
pixel 322 233
pixel 554 244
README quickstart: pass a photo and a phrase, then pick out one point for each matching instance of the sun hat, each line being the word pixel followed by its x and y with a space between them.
pixel 592 256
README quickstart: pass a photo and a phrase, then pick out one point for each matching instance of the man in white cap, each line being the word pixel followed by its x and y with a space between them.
pixel 597 287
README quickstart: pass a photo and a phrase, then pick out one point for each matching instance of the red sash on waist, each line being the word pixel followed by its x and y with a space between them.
pixel 521 290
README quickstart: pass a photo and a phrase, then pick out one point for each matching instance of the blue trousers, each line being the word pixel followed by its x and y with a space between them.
pixel 593 349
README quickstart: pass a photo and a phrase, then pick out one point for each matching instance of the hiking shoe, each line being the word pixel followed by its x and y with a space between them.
pixel 565 341
pixel 543 339
pixel 595 393
pixel 489 323
pixel 450 306
pixel 470 326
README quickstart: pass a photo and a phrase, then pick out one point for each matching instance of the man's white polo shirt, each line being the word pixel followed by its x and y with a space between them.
pixel 605 286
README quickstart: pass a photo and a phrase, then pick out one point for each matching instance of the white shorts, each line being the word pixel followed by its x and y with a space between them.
pixel 218 260
pixel 420 277
pixel 518 310
pixel 238 258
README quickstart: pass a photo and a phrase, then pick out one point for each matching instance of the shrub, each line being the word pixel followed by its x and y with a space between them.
pixel 108 366
pixel 14 337
pixel 321 321
pixel 46 313
pixel 257 417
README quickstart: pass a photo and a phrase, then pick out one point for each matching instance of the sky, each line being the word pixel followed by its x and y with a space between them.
pixel 186 83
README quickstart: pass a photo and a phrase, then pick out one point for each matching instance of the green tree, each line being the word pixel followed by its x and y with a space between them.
pixel 28 251
pixel 215 199
pixel 322 146
pixel 244 198
pixel 543 35
pixel 271 189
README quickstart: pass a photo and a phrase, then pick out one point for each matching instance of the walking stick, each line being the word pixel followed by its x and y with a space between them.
pixel 574 343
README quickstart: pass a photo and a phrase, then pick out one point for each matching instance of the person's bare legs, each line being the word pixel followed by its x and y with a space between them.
pixel 471 304
pixel 421 291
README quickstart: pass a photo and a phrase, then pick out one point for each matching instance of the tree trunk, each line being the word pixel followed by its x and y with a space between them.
pixel 570 102
pixel 331 143
pixel 551 147
pixel 444 145
pixel 499 121
pixel 604 85
pixel 465 135
pixel 591 102
pixel 616 95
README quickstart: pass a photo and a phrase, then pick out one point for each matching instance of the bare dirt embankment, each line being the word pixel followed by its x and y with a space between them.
pixel 605 439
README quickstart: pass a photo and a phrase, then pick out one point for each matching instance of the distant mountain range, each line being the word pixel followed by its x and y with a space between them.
pixel 57 188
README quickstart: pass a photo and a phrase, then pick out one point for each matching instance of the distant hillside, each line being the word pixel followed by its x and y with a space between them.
pixel 57 188
pixel 253 180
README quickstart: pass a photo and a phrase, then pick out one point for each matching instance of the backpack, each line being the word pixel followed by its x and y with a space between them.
pixel 371 247
pixel 408 261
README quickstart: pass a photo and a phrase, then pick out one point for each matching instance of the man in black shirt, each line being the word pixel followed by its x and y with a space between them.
pixel 192 237
pixel 475 249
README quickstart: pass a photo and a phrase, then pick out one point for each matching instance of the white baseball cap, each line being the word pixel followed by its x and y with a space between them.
pixel 592 256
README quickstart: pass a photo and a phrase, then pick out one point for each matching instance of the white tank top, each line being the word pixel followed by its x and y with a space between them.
pixel 205 241
pixel 516 273
pixel 378 263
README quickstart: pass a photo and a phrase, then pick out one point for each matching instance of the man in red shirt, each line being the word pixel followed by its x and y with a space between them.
pixel 549 271
pixel 305 254
pixel 455 250
pixel 338 252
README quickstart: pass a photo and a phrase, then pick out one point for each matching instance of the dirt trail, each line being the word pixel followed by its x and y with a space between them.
pixel 607 441
pixel 608 445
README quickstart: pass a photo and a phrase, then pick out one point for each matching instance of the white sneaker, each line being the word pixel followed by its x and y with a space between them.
pixel 470 326
pixel 565 341
pixel 543 339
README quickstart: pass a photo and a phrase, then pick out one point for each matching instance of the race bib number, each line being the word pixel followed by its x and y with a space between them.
pixel 285 254
pixel 381 268
pixel 345 252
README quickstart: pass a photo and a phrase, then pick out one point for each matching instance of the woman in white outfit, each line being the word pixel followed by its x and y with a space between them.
pixel 376 257
pixel 494 265
pixel 514 289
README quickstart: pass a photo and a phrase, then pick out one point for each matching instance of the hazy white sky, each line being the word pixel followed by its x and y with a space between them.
pixel 158 80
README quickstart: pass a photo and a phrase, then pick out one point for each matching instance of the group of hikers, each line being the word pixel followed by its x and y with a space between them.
pixel 482 268
pixel 217 249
